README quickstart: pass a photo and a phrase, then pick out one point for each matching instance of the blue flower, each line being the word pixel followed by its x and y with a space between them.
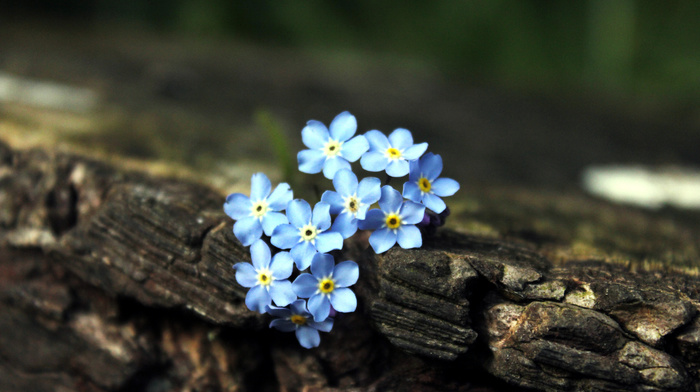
pixel 351 200
pixel 424 186
pixel 395 221
pixel 299 320
pixel 391 154
pixel 306 233
pixel 328 285
pixel 259 211
pixel 266 279
pixel 334 151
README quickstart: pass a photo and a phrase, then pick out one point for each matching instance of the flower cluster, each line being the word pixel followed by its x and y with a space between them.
pixel 303 236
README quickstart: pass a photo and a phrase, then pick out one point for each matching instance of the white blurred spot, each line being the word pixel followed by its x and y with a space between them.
pixel 46 94
pixel 645 186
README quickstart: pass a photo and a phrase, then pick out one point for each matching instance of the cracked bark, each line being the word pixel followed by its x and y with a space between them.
pixel 116 281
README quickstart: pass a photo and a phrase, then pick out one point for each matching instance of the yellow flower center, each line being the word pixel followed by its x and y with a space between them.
pixel 332 148
pixel 393 153
pixel 308 232
pixel 424 185
pixel 352 204
pixel 393 221
pixel 259 209
pixel 326 285
pixel 264 278
pixel 298 319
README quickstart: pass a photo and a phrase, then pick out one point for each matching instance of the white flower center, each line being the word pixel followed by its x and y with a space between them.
pixel 392 221
pixel 308 233
pixel 392 153
pixel 265 277
pixel 352 204
pixel 332 148
pixel 259 209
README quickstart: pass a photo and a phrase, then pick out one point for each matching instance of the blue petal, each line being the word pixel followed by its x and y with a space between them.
pixel 361 213
pixel 302 254
pixel 354 148
pixel 415 151
pixel 411 213
pixel 335 201
pixel 409 237
pixel 345 182
pixel 282 293
pixel 414 170
pixel 285 236
pixel 445 187
pixel 333 164
pixel 299 213
pixel 343 126
pixel 391 199
pixel 373 221
pixel 397 168
pixel 245 274
pixel 238 206
pixel 283 325
pixel 328 241
pixel 377 141
pixel 259 187
pixel 308 337
pixel 345 224
pixel 271 220
pixel 345 274
pixel 319 307
pixel 258 299
pixel 305 286
pixel 401 139
pixel 411 191
pixel 322 265
pixel 314 135
pixel 343 300
pixel 431 166
pixel 369 190
pixel 434 203
pixel 247 230
pixel 321 216
pixel 279 312
pixel 324 326
pixel 382 240
pixel 281 266
pixel 279 198
pixel 299 307
pixel 374 161
pixel 260 254
pixel 311 161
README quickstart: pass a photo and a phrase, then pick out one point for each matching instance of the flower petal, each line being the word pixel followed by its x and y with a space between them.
pixel 259 187
pixel 373 220
pixel 412 192
pixel 382 240
pixel 319 307
pixel 377 141
pixel 283 325
pixel 335 201
pixel 299 213
pixel 445 187
pixel 333 164
pixel 431 166
pixel 247 230
pixel 299 307
pixel 260 254
pixel 369 190
pixel 397 168
pixel 279 312
pixel 279 198
pixel 238 206
pixel 282 293
pixel 324 326
pixel 311 161
pixel 401 139
pixel 308 337
pixel 374 161
pixel 302 254
pixel 414 171
pixel 409 237
pixel 345 274
pixel 285 236
pixel 391 199
pixel 245 274
pixel 343 300
pixel 258 299
pixel 345 224
pixel 412 213
pixel 343 126
pixel 282 265
pixel 305 286
pixel 345 182
pixel 322 265
pixel 354 148
pixel 314 135
pixel 415 151
pixel 271 220
pixel 434 203
pixel 361 213
pixel 328 241
pixel 321 217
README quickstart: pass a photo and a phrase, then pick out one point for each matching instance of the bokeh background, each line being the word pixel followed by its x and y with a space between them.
pixel 518 92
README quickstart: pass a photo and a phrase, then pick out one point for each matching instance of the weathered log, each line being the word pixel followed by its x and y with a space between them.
pixel 114 281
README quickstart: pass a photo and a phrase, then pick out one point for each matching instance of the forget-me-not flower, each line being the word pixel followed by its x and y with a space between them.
pixel 266 277
pixel 392 153
pixel 351 200
pixel 306 233
pixel 331 151
pixel 298 319
pixel 258 212
pixel 395 221
pixel 424 186
pixel 327 285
